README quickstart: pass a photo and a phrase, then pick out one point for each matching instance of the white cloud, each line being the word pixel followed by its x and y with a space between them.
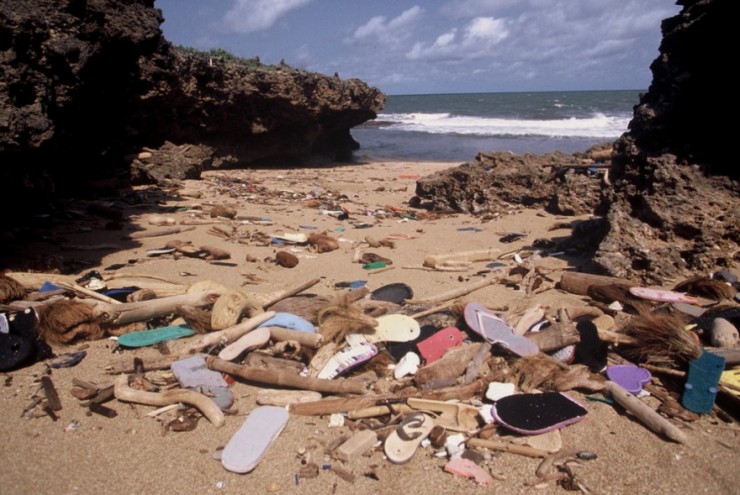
pixel 478 38
pixel 472 8
pixel 379 29
pixel 248 16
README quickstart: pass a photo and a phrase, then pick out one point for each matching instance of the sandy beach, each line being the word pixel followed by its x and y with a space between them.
pixel 87 453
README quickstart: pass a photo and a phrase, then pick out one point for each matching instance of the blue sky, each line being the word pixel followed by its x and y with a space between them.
pixel 437 46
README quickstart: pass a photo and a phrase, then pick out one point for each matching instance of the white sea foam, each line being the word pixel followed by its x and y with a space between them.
pixel 596 126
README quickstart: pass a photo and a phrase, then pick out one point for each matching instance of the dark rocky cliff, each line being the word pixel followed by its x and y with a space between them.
pixel 674 204
pixel 87 83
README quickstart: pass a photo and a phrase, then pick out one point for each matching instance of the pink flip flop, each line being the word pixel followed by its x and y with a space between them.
pixel 496 331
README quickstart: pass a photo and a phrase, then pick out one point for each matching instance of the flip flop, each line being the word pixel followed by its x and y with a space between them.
pixel 662 295
pixel 346 359
pixel 396 293
pixel 496 331
pixel 400 446
pixel 247 342
pixel 290 321
pixel 532 414
pixel 434 347
pixel 629 377
pixel 394 328
pixel 250 443
pixel 14 351
pixel 398 350
pixel 145 338
pixel 193 373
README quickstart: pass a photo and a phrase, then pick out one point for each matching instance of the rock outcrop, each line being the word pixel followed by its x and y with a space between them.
pixel 674 208
pixel 88 84
pixel 496 182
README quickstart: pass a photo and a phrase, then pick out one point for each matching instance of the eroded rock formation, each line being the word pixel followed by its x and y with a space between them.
pixel 88 84
pixel 494 182
pixel 674 208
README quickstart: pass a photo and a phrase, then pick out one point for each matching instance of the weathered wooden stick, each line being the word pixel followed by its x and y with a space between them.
pixel 473 367
pixel 204 404
pixel 292 292
pixel 480 443
pixel 227 335
pixel 127 365
pixel 454 294
pixel 451 365
pixel 579 282
pixel 434 260
pixel 52 397
pixel 262 360
pixel 122 313
pixel 32 280
pixel 87 292
pixel 282 379
pixel 431 311
pixel 337 405
pixel 555 337
pixel 306 339
pixel 158 232
pixel 644 413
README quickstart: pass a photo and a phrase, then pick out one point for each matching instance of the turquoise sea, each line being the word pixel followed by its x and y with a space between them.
pixel 455 127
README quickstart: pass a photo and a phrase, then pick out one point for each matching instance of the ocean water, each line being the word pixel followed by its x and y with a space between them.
pixel 456 127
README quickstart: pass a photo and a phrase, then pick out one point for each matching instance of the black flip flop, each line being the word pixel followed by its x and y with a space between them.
pixel 396 293
pixel 532 414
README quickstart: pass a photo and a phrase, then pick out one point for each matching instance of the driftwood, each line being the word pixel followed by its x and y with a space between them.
pixel 227 335
pixel 480 443
pixel 450 366
pixel 338 405
pixel 495 277
pixel 120 314
pixel 204 404
pixel 292 292
pixel 578 283
pixel 148 364
pixel 282 379
pixel 473 367
pixel 262 360
pixel 462 258
pixel 31 280
pixel 306 339
pixel 644 413
pixel 87 292
pixel 158 232
pixel 555 337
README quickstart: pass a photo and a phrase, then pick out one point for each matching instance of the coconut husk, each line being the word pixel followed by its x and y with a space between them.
pixel 286 259
pixel 199 319
pixel 10 289
pixel 142 295
pixel 342 317
pixel 229 308
pixel 222 211
pixel 214 253
pixel 706 287
pixel 207 285
pixel 307 306
pixel 663 340
pixel 323 243
pixel 62 322
pixel 543 373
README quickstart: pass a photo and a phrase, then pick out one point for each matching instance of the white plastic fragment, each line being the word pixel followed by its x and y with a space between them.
pixel 407 365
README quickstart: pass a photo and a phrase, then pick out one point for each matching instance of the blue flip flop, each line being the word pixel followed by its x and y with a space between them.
pixel 145 338
pixel 290 321
pixel 496 331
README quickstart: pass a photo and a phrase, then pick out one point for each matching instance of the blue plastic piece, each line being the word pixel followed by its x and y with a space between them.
pixel 702 379
pixel 290 321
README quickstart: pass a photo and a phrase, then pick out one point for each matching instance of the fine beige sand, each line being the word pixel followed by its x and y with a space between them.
pixel 132 453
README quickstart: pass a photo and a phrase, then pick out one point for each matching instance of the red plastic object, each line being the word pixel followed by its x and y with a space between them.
pixel 434 347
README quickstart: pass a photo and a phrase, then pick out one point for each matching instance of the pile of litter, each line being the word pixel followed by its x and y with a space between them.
pixel 445 376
